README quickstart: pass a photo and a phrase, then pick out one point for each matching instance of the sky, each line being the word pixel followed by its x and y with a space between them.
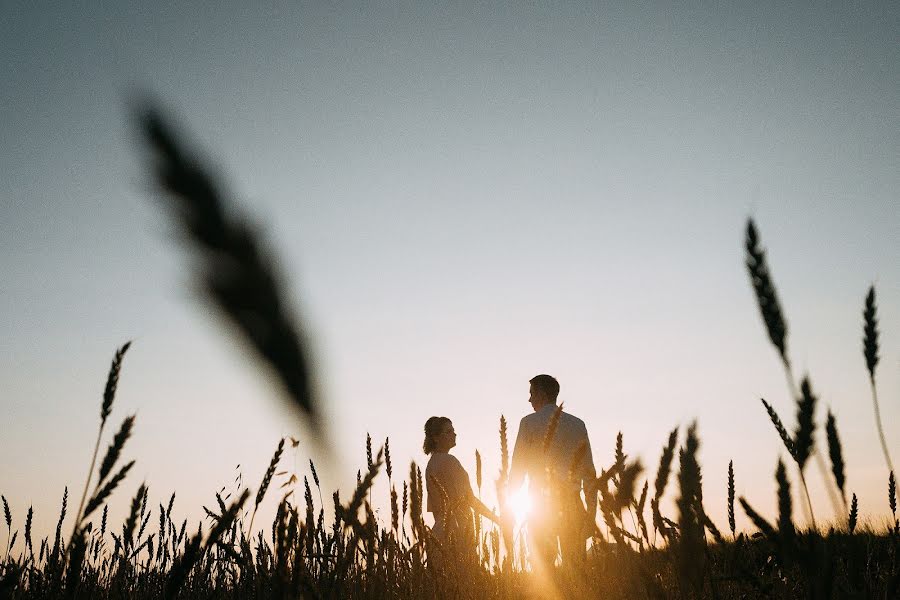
pixel 459 197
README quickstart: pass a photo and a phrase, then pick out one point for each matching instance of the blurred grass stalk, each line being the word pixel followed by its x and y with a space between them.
pixel 236 275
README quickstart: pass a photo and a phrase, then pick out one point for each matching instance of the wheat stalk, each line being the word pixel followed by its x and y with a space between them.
pixel 182 567
pixel 478 471
pixel 266 480
pixel 504 450
pixel 690 556
pixel 237 274
pixel 103 493
pixel 780 428
pixel 764 526
pixel 870 352
pixel 785 519
pixel 804 440
pixel 8 515
pixel 28 541
pixel 892 494
pixel 731 523
pixel 109 394
pixel 854 514
pixel 770 310
pixel 791 444
pixel 640 511
pixel 620 454
pixel 665 465
pixel 132 520
pixel 766 296
pixel 551 428
pixel 395 510
pixel 836 455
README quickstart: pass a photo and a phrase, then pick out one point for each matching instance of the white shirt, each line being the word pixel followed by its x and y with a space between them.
pixel 528 453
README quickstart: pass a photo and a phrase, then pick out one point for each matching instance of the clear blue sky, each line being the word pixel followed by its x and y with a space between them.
pixel 462 197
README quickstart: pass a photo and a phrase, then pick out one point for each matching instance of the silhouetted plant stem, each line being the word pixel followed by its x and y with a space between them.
pixel 789 375
pixel 836 504
pixel 837 457
pixel 109 394
pixel 812 516
pixel 870 353
pixel 836 500
pixel 776 327
pixel 87 483
pixel 884 448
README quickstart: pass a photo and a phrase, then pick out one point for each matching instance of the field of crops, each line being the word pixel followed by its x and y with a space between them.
pixel 326 546
pixel 350 553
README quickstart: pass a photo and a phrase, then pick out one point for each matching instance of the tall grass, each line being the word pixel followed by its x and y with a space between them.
pixel 236 273
pixel 347 550
pixel 357 554
pixel 353 553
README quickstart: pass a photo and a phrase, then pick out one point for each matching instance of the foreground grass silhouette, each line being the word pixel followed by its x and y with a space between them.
pixel 344 551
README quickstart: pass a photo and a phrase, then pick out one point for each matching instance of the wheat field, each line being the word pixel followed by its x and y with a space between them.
pixel 328 546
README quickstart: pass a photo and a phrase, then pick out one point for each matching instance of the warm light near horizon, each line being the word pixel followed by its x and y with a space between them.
pixel 520 504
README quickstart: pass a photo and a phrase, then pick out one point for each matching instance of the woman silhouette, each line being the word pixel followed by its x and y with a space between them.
pixel 450 497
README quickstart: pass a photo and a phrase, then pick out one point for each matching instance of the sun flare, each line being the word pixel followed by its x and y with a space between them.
pixel 520 504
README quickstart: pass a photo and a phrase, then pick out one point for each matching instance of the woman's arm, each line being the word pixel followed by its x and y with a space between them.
pixel 465 488
pixel 481 508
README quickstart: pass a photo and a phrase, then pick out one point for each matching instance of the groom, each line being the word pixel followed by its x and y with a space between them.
pixel 556 476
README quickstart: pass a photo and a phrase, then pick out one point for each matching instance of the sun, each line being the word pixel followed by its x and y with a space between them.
pixel 520 504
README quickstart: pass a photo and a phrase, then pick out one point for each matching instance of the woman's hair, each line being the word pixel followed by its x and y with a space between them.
pixel 433 428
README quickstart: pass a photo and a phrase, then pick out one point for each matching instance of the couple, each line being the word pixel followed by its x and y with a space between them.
pixel 556 476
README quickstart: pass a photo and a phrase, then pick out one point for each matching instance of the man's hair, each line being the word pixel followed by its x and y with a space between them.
pixel 547 384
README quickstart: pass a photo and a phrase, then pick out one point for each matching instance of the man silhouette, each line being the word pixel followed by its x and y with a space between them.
pixel 557 472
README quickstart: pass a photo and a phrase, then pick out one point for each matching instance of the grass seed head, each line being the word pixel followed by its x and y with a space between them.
pixel 6 513
pixel 270 472
pixel 103 493
pixel 854 514
pixel 870 333
pixel 28 520
pixel 892 494
pixel 112 382
pixel 690 557
pixel 551 428
pixel 764 526
pixel 731 522
pixel 835 454
pixel 780 428
pixel 115 448
pixel 478 470
pixel 315 476
pixel 785 517
pixel 665 465
pixel 764 288
pixel 804 435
